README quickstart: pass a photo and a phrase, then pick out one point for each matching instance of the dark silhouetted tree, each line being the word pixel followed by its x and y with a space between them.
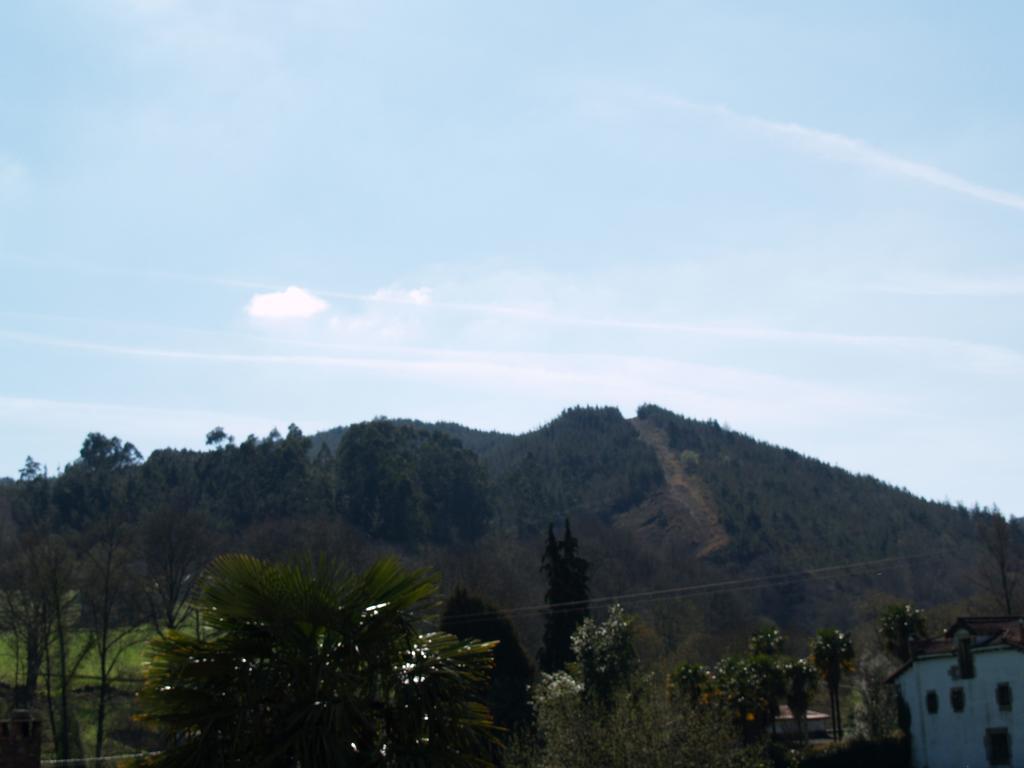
pixel 832 654
pixel 567 597
pixel 801 683
pixel 469 617
pixel 218 436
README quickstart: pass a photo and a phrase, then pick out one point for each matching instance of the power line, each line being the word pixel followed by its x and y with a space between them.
pixel 705 589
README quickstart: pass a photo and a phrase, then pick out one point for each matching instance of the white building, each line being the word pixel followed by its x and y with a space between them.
pixel 818 725
pixel 964 694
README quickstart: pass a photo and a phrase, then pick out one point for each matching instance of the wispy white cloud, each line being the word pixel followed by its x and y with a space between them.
pixel 292 302
pixel 993 359
pixel 373 340
pixel 732 392
pixel 839 147
pixel 388 315
pixel 391 333
pixel 423 299
pixel 469 365
pixel 418 296
pixel 990 356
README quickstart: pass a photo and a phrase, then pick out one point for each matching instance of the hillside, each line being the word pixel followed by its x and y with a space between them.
pixel 773 503
pixel 683 509
pixel 677 481
pixel 670 500
pixel 659 502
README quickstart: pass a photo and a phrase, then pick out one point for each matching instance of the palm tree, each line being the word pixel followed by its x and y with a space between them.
pixel 832 654
pixel 301 666
pixel 801 682
pixel 767 641
pixel 897 625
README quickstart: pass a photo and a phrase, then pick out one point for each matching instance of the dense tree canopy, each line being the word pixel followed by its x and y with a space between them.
pixel 469 617
pixel 302 666
pixel 416 486
pixel 405 484
pixel 780 507
pixel 133 535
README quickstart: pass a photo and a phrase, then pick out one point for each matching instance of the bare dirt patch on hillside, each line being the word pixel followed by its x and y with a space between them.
pixel 682 512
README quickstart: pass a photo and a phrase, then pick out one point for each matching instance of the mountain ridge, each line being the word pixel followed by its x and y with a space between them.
pixel 705 483
pixel 658 501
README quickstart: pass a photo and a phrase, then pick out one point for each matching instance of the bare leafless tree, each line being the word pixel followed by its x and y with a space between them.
pixel 24 613
pixel 111 604
pixel 54 568
pixel 1000 567
pixel 174 546
pixel 24 609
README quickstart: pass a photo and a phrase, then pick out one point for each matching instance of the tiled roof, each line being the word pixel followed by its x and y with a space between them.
pixel 785 713
pixel 984 631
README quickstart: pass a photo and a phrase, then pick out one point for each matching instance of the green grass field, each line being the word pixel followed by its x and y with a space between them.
pixel 129 665
pixel 124 735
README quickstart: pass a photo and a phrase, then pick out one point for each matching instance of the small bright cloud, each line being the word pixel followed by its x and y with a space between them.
pixel 292 302
pixel 417 296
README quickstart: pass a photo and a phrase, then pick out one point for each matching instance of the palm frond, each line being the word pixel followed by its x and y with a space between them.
pixel 305 666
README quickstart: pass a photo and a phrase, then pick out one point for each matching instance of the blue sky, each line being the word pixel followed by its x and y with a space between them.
pixel 804 220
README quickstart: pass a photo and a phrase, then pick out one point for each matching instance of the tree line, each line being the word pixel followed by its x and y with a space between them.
pixel 112 543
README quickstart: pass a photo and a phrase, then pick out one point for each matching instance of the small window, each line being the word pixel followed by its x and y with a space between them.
pixel 956 699
pixel 932 702
pixel 997 746
pixel 1004 697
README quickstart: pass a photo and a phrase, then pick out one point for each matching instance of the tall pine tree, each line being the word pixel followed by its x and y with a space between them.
pixel 567 597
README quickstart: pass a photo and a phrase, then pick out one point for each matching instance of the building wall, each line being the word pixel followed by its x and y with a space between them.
pixel 20 738
pixel 949 739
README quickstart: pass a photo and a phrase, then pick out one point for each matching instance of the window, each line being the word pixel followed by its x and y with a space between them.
pixel 1004 697
pixel 956 699
pixel 997 746
pixel 932 702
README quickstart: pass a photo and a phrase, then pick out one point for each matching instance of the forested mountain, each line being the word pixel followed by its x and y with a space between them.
pixel 658 502
pixel 777 505
pixel 588 461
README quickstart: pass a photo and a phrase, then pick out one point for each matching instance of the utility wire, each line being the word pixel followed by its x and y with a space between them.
pixel 705 589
